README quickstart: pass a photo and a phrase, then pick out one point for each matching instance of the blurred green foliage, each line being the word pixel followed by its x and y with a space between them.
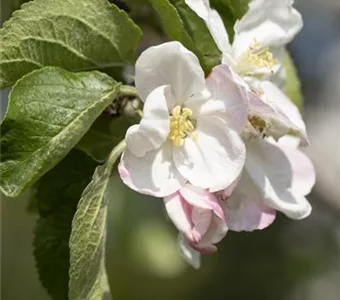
pixel 143 262
pixel 56 196
pixel 293 85
pixel 8 6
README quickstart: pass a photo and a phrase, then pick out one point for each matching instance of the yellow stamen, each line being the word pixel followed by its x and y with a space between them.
pixel 181 126
pixel 255 59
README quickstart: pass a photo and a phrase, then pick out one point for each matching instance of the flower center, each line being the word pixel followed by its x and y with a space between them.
pixel 255 60
pixel 258 124
pixel 180 125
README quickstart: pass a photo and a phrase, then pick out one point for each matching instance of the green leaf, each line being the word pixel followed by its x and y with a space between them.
pixel 206 47
pixel 227 12
pixel 186 27
pixel 239 7
pixel 110 128
pixel 292 85
pixel 87 242
pixel 48 112
pixel 56 195
pixel 230 11
pixel 76 35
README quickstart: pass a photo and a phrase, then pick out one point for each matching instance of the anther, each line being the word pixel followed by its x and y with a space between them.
pixel 180 125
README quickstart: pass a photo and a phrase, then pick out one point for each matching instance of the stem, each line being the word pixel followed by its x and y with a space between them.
pixel 133 108
pixel 128 90
pixel 115 153
pixel 139 112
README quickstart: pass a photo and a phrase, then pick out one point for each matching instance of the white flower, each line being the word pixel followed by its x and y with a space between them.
pixel 277 176
pixel 260 35
pixel 270 177
pixel 189 130
pixel 256 55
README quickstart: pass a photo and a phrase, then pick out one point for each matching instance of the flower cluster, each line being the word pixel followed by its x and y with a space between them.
pixel 223 150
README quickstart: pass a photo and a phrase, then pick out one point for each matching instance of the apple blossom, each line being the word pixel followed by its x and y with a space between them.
pixel 277 176
pixel 256 55
pixel 190 128
pixel 260 35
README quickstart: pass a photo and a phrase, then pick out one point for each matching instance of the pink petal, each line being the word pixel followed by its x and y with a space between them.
pixel 217 231
pixel 210 249
pixel 201 220
pixel 303 177
pixel 245 214
pixel 230 189
pixel 202 198
pixel 192 221
pixel 179 212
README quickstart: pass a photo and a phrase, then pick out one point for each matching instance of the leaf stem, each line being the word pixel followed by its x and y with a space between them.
pixel 128 90
pixel 115 153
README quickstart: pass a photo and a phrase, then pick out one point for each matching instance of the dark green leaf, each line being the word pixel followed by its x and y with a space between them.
pixel 104 134
pixel 204 43
pixel 73 34
pixel 230 11
pixel 87 242
pixel 239 7
pixel 183 25
pixel 227 13
pixel 49 111
pixel 56 195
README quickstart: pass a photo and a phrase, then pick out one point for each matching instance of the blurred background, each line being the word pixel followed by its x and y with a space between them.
pixel 291 260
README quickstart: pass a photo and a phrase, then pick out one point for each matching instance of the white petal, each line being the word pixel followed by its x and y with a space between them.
pixel 213 21
pixel 280 77
pixel 274 23
pixel 229 97
pixel 226 96
pixel 271 171
pixel 191 256
pixel 154 174
pixel 244 210
pixel 226 193
pixel 179 213
pixel 154 127
pixel 302 167
pixel 215 159
pixel 169 64
pixel 288 141
pixel 286 116
pixel 218 32
pixel 200 7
